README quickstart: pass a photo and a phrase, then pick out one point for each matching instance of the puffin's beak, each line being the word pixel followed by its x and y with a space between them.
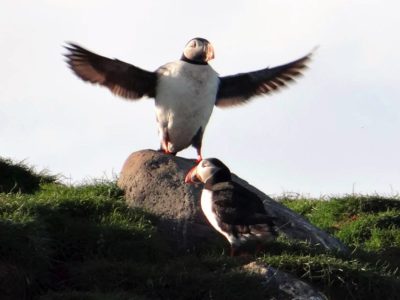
pixel 191 176
pixel 209 52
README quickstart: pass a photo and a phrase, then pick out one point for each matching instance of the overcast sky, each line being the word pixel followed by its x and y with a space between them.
pixel 336 131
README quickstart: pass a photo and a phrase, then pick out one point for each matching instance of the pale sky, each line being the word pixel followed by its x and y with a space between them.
pixel 336 131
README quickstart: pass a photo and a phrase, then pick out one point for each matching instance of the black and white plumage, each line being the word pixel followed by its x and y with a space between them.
pixel 234 211
pixel 185 90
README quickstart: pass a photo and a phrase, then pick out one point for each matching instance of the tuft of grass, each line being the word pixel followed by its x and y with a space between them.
pixel 368 224
pixel 340 278
pixel 372 231
pixel 328 214
pixel 21 178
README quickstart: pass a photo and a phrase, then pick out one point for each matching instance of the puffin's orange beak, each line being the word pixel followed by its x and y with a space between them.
pixel 191 176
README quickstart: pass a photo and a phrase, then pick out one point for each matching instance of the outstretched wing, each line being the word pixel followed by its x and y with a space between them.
pixel 240 88
pixel 121 78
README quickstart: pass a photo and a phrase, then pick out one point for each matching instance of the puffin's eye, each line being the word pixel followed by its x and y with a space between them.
pixel 193 44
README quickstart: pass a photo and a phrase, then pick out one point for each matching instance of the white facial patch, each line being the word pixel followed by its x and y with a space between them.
pixel 206 170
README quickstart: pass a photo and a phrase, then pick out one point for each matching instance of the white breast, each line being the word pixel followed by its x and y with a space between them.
pixel 206 206
pixel 184 101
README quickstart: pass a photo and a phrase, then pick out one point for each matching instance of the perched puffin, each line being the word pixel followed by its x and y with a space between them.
pixel 234 211
pixel 185 90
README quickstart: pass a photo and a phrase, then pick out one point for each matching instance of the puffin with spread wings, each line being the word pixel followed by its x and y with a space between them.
pixel 185 91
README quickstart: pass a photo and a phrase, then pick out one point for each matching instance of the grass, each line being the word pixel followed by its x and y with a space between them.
pixel 82 242
pixel 19 177
pixel 370 225
pixel 367 223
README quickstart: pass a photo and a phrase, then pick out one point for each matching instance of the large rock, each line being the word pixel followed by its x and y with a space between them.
pixel 285 286
pixel 155 182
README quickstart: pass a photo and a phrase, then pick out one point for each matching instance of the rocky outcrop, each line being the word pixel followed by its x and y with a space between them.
pixel 284 285
pixel 155 182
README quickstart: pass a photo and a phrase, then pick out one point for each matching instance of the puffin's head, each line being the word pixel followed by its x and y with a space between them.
pixel 198 50
pixel 210 170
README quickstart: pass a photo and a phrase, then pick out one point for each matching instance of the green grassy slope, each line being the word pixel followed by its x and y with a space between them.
pixel 84 243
